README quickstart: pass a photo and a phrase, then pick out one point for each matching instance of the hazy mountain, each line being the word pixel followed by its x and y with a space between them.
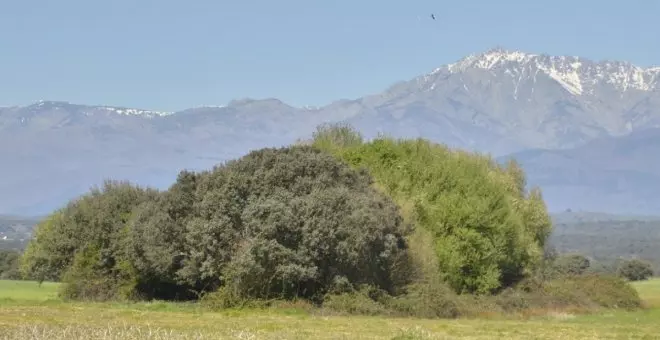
pixel 619 175
pixel 575 217
pixel 498 101
pixel 16 230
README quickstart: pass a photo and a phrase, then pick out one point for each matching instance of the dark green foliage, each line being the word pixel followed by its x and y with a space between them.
pixel 635 270
pixel 289 223
pixel 277 223
pixel 571 264
pixel 488 230
pixel 85 241
pixel 9 262
pixel 97 220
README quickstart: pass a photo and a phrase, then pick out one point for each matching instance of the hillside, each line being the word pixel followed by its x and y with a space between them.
pixel 498 101
pixel 16 230
pixel 608 242
pixel 619 175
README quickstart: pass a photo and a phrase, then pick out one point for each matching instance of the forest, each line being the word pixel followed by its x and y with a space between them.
pixel 387 226
pixel 609 242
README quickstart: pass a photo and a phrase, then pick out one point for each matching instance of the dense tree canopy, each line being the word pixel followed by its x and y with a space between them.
pixel 635 270
pixel 488 229
pixel 276 223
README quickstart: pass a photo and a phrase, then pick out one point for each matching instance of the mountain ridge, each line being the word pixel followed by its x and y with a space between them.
pixel 498 101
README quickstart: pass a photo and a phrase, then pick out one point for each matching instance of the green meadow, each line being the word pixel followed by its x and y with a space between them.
pixel 32 311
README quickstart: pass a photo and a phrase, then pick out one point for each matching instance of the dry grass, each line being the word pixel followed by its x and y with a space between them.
pixel 57 320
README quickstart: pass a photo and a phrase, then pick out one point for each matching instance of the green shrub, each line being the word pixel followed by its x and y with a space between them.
pixel 427 300
pixel 488 230
pixel 571 264
pixel 364 301
pixel 83 244
pixel 635 270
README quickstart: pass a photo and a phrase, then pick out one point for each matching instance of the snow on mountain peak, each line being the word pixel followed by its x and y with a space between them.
pixel 59 105
pixel 490 59
pixel 577 75
pixel 135 112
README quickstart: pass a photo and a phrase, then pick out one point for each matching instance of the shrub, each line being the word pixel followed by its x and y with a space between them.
pixel 571 264
pixel 488 230
pixel 635 270
pixel 88 232
pixel 427 300
pixel 289 222
pixel 362 301
pixel 276 224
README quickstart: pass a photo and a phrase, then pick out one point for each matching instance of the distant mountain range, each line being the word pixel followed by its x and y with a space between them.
pixel 584 130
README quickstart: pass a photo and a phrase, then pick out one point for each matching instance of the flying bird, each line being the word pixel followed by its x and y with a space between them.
pixel 433 16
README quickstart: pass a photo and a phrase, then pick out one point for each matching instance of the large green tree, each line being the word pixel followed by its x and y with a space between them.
pixel 488 230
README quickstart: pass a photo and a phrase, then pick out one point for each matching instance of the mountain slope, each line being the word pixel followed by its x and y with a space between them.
pixel 497 101
pixel 619 175
pixel 500 100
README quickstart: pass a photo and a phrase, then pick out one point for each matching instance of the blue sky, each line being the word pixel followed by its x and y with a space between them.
pixel 170 55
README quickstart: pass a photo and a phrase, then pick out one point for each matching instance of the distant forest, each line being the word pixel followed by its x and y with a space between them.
pixel 605 243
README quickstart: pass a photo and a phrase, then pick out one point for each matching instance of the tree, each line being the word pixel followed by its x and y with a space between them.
pixel 571 264
pixel 635 270
pixel 488 230
pixel 83 244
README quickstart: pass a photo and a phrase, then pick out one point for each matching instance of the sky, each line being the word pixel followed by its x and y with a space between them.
pixel 170 55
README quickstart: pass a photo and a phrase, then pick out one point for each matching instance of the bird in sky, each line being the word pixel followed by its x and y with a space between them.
pixel 433 16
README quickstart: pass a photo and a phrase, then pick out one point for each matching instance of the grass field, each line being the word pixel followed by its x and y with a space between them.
pixel 30 311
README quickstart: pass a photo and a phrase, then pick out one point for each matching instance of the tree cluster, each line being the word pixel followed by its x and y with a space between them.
pixel 277 223
pixel 608 242
pixel 399 225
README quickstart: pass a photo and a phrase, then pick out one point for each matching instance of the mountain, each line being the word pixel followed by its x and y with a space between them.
pixel 570 217
pixel 497 101
pixel 505 101
pixel 620 175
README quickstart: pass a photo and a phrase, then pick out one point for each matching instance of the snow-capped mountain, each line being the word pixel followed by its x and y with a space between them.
pixel 520 100
pixel 577 75
pixel 498 101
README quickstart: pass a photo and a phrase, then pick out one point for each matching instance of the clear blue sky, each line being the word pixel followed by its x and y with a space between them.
pixel 169 55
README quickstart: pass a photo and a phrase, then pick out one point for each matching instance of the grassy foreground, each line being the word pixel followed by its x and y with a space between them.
pixel 30 311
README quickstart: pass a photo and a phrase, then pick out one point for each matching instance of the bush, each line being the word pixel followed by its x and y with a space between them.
pixel 635 270
pixel 488 230
pixel 575 294
pixel 428 300
pixel 571 264
pixel 83 242
pixel 276 224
